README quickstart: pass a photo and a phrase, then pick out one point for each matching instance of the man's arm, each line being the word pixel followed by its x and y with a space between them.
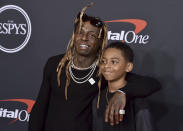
pixel 39 110
pixel 140 86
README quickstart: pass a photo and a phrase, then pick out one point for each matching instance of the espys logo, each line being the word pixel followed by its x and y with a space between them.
pixel 17 114
pixel 15 28
pixel 130 36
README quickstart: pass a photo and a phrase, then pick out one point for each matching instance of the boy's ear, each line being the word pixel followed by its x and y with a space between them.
pixel 129 67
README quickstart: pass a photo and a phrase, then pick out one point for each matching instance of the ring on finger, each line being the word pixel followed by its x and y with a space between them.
pixel 121 112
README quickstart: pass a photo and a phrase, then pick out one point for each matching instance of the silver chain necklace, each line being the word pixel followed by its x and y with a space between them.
pixel 85 78
pixel 75 67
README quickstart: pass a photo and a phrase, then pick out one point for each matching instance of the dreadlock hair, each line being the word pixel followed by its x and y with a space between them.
pixel 67 58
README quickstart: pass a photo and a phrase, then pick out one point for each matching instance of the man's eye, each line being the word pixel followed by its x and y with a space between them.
pixel 80 33
pixel 114 62
pixel 93 36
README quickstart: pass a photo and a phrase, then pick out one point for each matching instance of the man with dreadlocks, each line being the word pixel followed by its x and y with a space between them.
pixel 70 82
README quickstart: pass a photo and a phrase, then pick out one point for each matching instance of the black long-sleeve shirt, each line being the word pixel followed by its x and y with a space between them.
pixel 52 112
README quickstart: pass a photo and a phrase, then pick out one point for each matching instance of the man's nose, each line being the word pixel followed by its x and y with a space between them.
pixel 84 37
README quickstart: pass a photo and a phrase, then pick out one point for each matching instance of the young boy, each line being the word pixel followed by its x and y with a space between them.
pixel 116 63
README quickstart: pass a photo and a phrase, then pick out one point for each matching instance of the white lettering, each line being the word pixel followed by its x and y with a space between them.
pixel 1 28
pixel 128 37
pixel 23 27
pixel 138 37
pixel 10 28
pixel 1 113
pixel 16 113
pixel 23 113
pixel 115 36
pixel 122 35
pixel 146 37
pixel 17 28
pixel 109 34
pixel 4 112
pixel 5 27
pixel 10 114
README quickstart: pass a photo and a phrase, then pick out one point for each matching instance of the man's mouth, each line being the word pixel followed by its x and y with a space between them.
pixel 83 46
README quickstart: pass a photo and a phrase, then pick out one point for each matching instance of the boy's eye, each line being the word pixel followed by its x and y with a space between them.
pixel 103 62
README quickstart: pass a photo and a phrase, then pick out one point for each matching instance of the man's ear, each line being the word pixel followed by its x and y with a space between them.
pixel 129 67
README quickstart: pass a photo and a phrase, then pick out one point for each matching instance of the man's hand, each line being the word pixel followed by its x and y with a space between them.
pixel 116 103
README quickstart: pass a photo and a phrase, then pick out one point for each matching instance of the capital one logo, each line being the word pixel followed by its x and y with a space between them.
pixel 131 36
pixel 15 28
pixel 17 114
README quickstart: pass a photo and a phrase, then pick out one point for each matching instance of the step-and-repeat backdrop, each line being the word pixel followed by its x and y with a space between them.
pixel 31 31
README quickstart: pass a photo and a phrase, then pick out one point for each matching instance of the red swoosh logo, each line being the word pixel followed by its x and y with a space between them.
pixel 28 102
pixel 139 24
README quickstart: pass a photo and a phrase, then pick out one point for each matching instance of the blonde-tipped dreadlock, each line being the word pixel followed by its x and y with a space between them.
pixel 81 15
pixel 104 43
pixel 67 58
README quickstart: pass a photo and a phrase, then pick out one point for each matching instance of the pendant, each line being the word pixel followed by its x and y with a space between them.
pixel 92 81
